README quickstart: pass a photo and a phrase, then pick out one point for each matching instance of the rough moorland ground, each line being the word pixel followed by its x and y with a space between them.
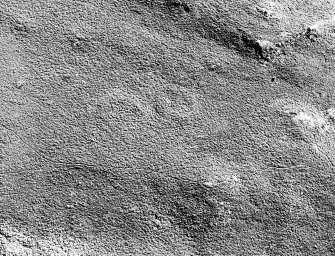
pixel 167 127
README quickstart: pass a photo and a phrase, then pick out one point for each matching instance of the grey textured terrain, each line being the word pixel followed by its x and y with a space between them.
pixel 167 127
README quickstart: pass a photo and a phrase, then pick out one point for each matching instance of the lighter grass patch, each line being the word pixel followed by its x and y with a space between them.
pixel 15 243
pixel 304 115
pixel 322 28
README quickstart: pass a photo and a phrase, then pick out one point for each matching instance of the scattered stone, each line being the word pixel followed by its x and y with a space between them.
pixel 161 221
pixel 80 43
pixel 214 65
pixel 20 27
pixel 178 4
pixel 311 34
pixel 209 184
pixel 320 94
pixel 265 12
pixel 66 78
pixel 19 84
pixel 286 35
pixel 269 50
pixel 331 114
pixel 287 38
pixel 4 231
pixel 159 109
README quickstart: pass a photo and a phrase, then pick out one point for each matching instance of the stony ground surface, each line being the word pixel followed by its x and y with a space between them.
pixel 167 127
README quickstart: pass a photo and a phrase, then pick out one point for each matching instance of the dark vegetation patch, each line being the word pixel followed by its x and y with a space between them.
pixel 188 202
pixel 204 214
pixel 104 198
